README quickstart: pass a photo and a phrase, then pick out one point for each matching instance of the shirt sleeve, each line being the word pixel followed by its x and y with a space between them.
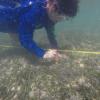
pixel 26 38
pixel 7 3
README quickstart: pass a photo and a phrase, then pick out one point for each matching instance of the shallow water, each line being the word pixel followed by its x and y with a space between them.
pixel 24 77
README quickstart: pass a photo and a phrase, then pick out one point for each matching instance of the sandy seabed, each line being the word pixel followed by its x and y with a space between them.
pixel 24 77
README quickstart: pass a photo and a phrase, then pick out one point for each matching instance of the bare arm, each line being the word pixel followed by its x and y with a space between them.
pixel 51 36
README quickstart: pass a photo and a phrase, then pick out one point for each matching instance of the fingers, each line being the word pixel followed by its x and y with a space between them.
pixel 53 55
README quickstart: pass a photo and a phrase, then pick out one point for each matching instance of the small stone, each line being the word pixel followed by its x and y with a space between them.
pixel 18 88
pixel 31 94
pixel 13 88
pixel 81 80
pixel 82 65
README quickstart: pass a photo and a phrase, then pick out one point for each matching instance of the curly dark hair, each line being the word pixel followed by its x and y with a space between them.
pixel 68 7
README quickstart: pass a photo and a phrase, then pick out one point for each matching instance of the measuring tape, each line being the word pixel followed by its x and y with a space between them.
pixel 72 51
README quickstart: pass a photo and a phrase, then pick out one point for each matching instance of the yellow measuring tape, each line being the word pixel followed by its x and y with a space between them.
pixel 84 52
pixel 71 51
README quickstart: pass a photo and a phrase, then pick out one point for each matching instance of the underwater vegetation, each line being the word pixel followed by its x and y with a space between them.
pixel 24 77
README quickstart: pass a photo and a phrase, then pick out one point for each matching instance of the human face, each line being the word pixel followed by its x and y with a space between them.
pixel 53 11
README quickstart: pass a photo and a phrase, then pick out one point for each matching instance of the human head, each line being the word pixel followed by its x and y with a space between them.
pixel 61 9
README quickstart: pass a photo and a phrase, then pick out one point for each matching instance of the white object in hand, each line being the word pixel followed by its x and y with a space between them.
pixel 52 54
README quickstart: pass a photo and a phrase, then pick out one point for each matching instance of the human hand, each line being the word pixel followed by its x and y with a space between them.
pixel 53 55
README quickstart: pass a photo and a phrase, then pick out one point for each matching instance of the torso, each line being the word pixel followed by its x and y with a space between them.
pixel 9 22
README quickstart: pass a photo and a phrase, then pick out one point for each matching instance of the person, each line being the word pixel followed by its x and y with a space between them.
pixel 24 16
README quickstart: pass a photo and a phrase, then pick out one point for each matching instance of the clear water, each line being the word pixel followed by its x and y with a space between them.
pixel 85 26
pixel 24 77
pixel 87 19
pixel 83 29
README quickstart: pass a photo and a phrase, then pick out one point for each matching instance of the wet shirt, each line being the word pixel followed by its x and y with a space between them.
pixel 24 19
